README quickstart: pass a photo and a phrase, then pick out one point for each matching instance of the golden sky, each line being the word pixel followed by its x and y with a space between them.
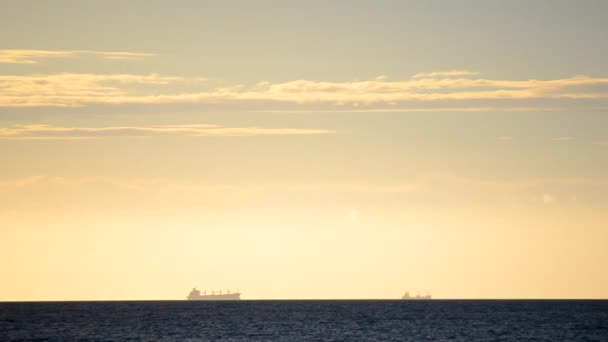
pixel 343 149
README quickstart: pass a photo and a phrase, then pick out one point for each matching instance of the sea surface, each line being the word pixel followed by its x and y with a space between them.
pixel 388 320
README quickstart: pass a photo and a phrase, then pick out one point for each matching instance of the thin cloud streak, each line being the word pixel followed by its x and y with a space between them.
pixel 15 56
pixel 417 110
pixel 75 90
pixel 449 73
pixel 50 132
pixel 149 184
pixel 69 90
pixel 419 184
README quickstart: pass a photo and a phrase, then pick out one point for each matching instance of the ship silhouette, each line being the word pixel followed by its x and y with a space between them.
pixel 195 294
pixel 407 296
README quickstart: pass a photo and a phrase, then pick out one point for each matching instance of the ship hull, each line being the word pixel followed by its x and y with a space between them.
pixel 231 296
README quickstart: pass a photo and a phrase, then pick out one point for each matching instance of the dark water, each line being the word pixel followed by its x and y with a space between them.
pixel 306 321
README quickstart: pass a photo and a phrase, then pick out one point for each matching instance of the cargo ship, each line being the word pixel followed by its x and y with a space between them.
pixel 407 296
pixel 195 294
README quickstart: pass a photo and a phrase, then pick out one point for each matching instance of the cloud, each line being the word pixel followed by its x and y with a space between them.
pixel 563 139
pixel 605 143
pixel 418 109
pixel 505 138
pixel 73 90
pixel 509 186
pixel 66 90
pixel 33 56
pixel 449 73
pixel 22 182
pixel 50 132
pixel 416 185
pixel 172 185
pixel 429 190
pixel 548 199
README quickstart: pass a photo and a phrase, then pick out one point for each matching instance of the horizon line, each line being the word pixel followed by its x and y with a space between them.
pixel 307 299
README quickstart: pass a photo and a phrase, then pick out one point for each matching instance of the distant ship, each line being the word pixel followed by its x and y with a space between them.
pixel 195 294
pixel 407 296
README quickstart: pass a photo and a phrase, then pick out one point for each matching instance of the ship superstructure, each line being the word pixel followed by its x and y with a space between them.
pixel 407 296
pixel 195 294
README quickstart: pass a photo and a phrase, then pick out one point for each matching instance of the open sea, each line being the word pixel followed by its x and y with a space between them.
pixel 369 320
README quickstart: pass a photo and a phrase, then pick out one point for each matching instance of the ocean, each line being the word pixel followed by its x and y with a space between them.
pixel 366 320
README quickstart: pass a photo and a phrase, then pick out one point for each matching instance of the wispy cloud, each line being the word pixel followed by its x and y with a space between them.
pixel 563 139
pixel 50 132
pixel 179 185
pixel 505 138
pixel 34 56
pixel 22 182
pixel 472 109
pixel 63 90
pixel 429 184
pixel 548 199
pixel 605 143
pixel 449 73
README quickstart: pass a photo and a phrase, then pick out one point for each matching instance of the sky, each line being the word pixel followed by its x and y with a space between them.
pixel 298 150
